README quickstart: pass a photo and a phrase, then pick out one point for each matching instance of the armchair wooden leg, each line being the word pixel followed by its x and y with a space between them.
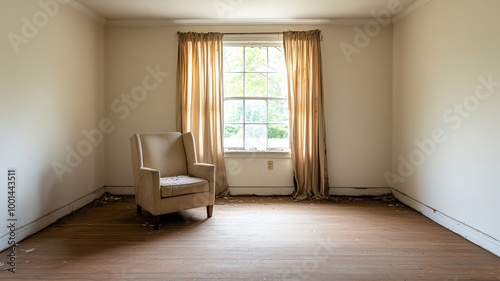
pixel 156 222
pixel 210 209
pixel 139 210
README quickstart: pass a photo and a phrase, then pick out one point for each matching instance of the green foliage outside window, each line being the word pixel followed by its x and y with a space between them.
pixel 255 92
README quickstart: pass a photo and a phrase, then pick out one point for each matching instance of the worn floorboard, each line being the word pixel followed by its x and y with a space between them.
pixel 252 238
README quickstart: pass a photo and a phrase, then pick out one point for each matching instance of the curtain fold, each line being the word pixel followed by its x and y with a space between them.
pixel 200 97
pixel 307 122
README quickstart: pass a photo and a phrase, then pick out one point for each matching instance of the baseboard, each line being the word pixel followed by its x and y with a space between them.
pixel 359 191
pixel 260 190
pixel 337 191
pixel 473 235
pixel 33 227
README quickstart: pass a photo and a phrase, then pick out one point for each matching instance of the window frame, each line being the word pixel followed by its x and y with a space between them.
pixel 255 42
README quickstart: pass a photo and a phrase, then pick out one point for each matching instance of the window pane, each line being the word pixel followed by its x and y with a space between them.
pixel 233 136
pixel 255 137
pixel 256 59
pixel 255 111
pixel 233 111
pixel 255 84
pixel 255 98
pixel 233 59
pixel 277 85
pixel 233 84
pixel 278 111
pixel 278 136
pixel 276 59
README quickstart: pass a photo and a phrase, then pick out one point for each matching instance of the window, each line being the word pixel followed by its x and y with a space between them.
pixel 255 98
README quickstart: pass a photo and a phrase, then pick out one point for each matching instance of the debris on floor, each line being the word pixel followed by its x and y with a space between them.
pixel 389 200
pixel 105 199
pixel 386 199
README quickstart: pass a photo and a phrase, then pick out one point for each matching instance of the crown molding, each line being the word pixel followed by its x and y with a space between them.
pixel 86 11
pixel 410 9
pixel 240 22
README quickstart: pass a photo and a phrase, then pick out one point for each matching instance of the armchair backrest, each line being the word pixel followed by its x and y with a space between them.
pixel 164 152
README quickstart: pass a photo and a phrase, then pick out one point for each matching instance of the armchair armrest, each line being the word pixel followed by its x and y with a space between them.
pixel 205 171
pixel 148 189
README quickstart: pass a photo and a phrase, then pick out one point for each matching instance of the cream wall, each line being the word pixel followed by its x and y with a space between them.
pixel 443 53
pixel 129 52
pixel 358 97
pixel 51 90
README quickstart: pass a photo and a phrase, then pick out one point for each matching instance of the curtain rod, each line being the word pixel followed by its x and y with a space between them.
pixel 256 33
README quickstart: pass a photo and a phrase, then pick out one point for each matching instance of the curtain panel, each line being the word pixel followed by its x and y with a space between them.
pixel 200 97
pixel 307 122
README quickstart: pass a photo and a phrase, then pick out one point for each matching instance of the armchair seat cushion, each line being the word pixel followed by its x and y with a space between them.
pixel 181 185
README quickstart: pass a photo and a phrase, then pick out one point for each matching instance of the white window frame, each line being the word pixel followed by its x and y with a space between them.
pixel 254 41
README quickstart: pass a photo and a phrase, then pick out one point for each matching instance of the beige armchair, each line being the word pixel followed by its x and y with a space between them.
pixel 167 176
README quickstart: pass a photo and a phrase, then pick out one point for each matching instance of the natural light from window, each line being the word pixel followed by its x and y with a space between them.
pixel 255 98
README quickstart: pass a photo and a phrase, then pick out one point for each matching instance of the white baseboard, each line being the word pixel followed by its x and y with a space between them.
pixel 260 190
pixel 337 191
pixel 33 227
pixel 359 191
pixel 473 235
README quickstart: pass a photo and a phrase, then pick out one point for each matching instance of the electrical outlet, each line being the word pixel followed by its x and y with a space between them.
pixel 270 165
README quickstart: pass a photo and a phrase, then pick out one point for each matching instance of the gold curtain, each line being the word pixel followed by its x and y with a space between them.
pixel 200 97
pixel 307 121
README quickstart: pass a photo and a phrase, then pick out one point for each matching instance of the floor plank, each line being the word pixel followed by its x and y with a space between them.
pixel 252 238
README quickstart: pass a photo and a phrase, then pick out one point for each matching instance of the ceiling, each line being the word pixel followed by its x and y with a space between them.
pixel 238 10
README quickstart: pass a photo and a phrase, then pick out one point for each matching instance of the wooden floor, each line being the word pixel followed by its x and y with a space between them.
pixel 252 238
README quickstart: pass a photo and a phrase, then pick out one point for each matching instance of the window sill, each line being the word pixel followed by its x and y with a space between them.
pixel 258 154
